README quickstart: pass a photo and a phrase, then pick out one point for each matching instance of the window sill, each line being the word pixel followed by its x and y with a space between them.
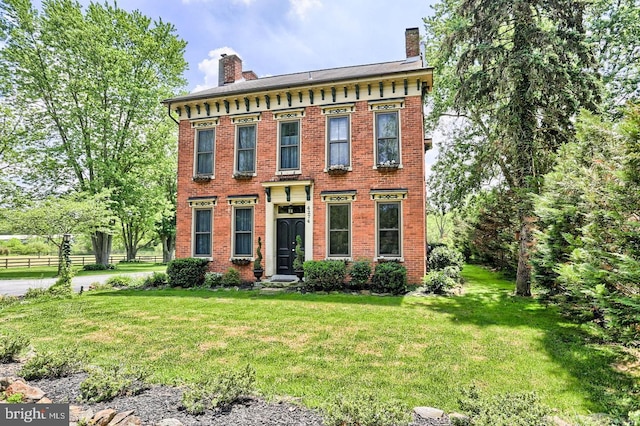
pixel 342 258
pixel 209 258
pixel 338 170
pixel 241 261
pixel 203 178
pixel 387 167
pixel 288 172
pixel 381 259
pixel 244 175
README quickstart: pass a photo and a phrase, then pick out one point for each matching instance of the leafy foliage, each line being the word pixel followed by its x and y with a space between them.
pixel 187 272
pixel 11 346
pixel 364 409
pixel 231 278
pixel 157 279
pixel 389 277
pixel 510 409
pixel 104 384
pixel 440 281
pixel 324 275
pixel 443 256
pixel 51 365
pixel 298 261
pixel 220 392
pixel 360 273
pixel 213 279
pixel 98 267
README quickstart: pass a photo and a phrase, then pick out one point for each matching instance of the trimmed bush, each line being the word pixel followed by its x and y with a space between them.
pixel 120 281
pixel 104 384
pixel 187 272
pixel 324 275
pixel 389 277
pixel 51 365
pixel 365 409
pixel 11 346
pixel 157 279
pixel 443 256
pixel 360 273
pixel 220 392
pixel 231 278
pixel 509 409
pixel 97 267
pixel 212 279
pixel 438 282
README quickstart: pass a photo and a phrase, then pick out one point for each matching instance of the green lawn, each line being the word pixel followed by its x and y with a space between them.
pixel 421 350
pixel 51 271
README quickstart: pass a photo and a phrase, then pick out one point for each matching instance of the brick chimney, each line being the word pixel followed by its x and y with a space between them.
pixel 229 69
pixel 412 42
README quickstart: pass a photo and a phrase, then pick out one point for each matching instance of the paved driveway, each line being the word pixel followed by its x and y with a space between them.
pixel 18 287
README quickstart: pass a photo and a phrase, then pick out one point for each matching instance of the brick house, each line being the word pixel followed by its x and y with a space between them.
pixel 335 156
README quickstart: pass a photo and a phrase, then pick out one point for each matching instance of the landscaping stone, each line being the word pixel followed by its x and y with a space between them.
pixel 44 400
pixel 458 419
pixel 5 382
pixel 79 414
pixel 29 393
pixel 103 417
pixel 119 419
pixel 428 412
pixel 557 421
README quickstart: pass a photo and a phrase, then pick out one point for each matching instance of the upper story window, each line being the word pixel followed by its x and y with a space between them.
pixel 387 138
pixel 289 145
pixel 204 151
pixel 246 149
pixel 338 140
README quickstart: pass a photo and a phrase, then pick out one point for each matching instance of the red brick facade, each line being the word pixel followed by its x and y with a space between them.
pixel 362 187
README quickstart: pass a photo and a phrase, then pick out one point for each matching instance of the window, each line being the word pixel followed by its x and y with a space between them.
pixel 339 230
pixel 204 152
pixel 246 149
pixel 202 231
pixel 243 232
pixel 338 133
pixel 387 146
pixel 389 229
pixel 290 145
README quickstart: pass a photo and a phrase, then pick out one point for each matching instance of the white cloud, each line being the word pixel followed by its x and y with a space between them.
pixel 209 67
pixel 301 8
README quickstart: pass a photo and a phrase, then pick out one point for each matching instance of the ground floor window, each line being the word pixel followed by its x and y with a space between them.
pixel 339 230
pixel 243 232
pixel 388 223
pixel 202 233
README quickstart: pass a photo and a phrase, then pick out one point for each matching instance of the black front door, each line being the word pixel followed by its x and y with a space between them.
pixel 286 241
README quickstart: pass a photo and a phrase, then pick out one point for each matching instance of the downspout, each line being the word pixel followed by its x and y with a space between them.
pixel 169 114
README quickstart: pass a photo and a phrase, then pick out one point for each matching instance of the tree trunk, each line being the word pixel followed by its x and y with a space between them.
pixel 101 243
pixel 132 252
pixel 168 247
pixel 523 276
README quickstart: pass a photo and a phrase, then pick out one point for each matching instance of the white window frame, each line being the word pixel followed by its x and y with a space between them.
pixel 376 139
pixel 196 152
pixel 329 142
pixel 236 151
pixel 349 230
pixel 234 254
pixel 380 256
pixel 298 170
pixel 194 216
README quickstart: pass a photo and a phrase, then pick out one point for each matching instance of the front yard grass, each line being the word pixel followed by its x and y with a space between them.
pixel 421 350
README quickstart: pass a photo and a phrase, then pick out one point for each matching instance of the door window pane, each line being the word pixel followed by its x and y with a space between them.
pixel 289 145
pixel 243 232
pixel 339 227
pixel 202 243
pixel 246 148
pixel 389 229
pixel 204 153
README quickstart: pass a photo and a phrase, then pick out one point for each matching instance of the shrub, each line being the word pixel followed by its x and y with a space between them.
pixel 157 279
pixel 443 256
pixel 231 278
pixel 104 384
pixel 11 346
pixel 97 267
pixel 437 282
pixel 212 279
pixel 324 275
pixel 364 409
pixel 119 281
pixel 220 392
pixel 6 301
pixel 15 398
pixel 188 272
pixel 509 409
pixel 360 272
pixel 389 277
pixel 35 293
pixel 51 365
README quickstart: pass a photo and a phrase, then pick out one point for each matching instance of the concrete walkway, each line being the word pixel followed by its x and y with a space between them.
pixel 18 287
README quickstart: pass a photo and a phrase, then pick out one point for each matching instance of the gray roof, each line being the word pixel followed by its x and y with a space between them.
pixel 305 78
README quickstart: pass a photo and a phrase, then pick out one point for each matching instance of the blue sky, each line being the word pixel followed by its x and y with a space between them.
pixel 284 36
